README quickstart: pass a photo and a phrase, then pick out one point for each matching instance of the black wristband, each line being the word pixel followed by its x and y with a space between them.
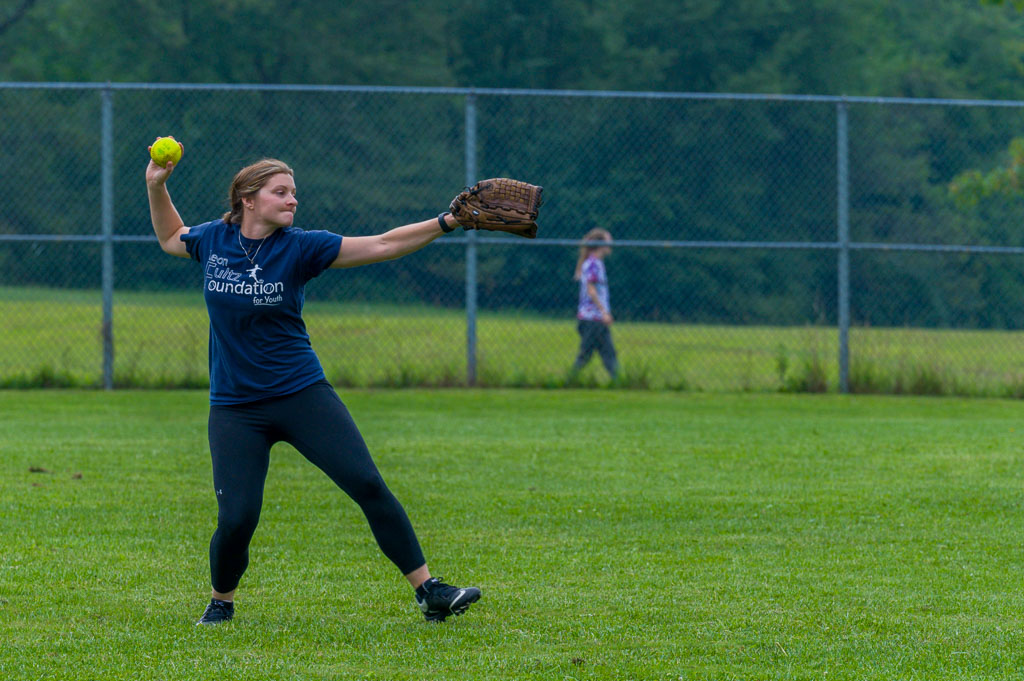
pixel 444 225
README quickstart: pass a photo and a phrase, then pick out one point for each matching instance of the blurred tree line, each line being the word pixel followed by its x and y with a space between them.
pixel 926 48
pixel 647 169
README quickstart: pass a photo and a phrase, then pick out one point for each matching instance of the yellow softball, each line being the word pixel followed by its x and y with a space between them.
pixel 165 149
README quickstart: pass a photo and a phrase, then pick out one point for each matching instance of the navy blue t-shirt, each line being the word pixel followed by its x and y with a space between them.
pixel 258 342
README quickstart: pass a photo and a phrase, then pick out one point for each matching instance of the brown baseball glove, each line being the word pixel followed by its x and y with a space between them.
pixel 500 205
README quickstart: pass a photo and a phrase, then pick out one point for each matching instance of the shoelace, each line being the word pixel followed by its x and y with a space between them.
pixel 444 592
pixel 439 587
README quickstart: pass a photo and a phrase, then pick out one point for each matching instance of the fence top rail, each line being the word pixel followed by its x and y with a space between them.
pixel 514 92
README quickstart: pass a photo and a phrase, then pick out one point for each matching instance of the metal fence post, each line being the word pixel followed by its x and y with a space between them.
pixel 107 222
pixel 471 238
pixel 843 237
pixel 30 269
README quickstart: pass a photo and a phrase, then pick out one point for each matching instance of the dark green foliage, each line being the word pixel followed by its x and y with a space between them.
pixel 653 169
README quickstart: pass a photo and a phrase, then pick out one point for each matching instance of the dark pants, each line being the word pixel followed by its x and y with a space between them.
pixel 596 335
pixel 315 422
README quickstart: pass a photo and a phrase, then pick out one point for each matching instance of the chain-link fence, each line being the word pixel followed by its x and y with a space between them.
pixel 761 243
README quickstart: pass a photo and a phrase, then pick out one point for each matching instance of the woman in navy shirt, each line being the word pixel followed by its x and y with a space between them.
pixel 266 383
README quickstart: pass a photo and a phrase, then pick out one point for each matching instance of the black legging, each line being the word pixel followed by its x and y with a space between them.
pixel 316 423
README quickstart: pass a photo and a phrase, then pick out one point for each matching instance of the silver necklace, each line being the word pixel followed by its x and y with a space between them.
pixel 251 259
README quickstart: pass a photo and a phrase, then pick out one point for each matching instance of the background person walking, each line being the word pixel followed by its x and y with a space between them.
pixel 594 313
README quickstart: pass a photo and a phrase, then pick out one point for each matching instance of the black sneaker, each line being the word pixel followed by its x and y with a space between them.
pixel 217 612
pixel 437 600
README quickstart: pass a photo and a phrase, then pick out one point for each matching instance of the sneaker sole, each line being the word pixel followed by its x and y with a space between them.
pixel 204 623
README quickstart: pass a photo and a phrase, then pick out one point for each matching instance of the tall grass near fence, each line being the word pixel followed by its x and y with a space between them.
pixel 53 338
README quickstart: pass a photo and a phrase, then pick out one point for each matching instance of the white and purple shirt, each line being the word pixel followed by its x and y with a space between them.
pixel 592 272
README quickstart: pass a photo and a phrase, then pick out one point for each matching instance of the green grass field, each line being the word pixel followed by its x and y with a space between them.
pixel 53 337
pixel 615 534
